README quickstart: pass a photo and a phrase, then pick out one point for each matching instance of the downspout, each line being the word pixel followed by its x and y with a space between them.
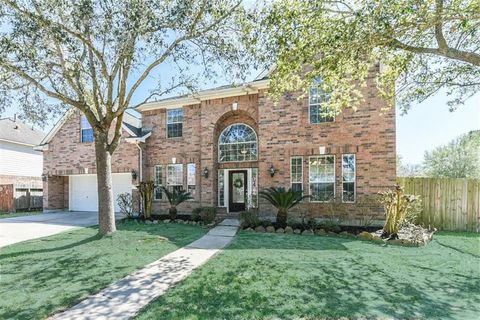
pixel 140 170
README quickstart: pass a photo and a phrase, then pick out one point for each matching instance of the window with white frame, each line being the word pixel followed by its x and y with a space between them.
pixel 191 170
pixel 175 177
pixel 174 123
pixel 348 178
pixel 237 142
pixel 221 188
pixel 158 182
pixel 296 173
pixel 318 108
pixel 86 130
pixel 322 178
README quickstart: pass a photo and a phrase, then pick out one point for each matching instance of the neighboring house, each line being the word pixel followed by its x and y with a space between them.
pixel 20 164
pixel 224 145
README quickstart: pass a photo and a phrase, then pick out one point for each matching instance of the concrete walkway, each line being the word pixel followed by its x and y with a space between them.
pixel 18 229
pixel 123 299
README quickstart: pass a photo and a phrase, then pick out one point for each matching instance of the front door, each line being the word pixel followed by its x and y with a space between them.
pixel 237 190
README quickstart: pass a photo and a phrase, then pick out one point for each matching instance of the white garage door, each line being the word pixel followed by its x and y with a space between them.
pixel 83 190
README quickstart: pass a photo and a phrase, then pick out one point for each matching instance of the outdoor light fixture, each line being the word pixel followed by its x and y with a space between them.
pixel 205 172
pixel 272 170
pixel 134 174
pixel 45 177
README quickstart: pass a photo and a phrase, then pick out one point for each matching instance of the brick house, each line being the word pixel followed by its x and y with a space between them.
pixel 224 145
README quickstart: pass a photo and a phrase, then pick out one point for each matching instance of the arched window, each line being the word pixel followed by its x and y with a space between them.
pixel 237 142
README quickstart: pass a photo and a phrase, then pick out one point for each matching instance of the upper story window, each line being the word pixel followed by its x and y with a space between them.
pixel 86 130
pixel 318 110
pixel 174 123
pixel 237 142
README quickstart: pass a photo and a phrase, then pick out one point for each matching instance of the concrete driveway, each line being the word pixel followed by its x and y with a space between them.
pixel 18 229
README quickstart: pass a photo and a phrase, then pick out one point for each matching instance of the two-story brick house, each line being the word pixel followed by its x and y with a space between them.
pixel 224 145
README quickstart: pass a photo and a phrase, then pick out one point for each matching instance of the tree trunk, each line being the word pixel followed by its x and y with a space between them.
pixel 106 208
pixel 173 213
pixel 282 218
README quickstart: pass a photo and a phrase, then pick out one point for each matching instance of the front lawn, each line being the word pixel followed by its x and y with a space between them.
pixel 18 214
pixel 40 277
pixel 270 276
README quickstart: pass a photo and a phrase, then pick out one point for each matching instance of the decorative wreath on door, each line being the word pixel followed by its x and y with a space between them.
pixel 238 183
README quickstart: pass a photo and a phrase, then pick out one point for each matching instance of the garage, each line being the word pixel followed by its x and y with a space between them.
pixel 83 190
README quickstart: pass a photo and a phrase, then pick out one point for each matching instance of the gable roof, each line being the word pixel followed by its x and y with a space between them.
pixel 215 93
pixel 15 131
pixel 131 124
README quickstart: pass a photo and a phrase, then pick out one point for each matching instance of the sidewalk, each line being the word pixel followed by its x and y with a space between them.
pixel 123 299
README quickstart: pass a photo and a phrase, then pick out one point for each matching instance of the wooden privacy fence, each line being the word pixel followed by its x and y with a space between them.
pixel 448 203
pixel 20 199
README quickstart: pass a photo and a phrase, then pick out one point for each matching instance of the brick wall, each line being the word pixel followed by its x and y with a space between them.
pixel 283 130
pixel 67 155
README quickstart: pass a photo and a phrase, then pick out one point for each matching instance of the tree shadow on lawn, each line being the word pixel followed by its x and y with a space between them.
pixel 286 277
pixel 45 275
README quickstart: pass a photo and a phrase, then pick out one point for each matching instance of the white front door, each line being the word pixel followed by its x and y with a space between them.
pixel 83 190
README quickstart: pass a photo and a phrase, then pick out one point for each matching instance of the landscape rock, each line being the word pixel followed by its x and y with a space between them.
pixel 260 229
pixel 289 230
pixel 297 231
pixel 365 235
pixel 409 235
pixel 307 233
pixel 166 221
pixel 320 232
pixel 148 221
pixel 155 221
pixel 270 229
pixel 280 230
pixel 249 230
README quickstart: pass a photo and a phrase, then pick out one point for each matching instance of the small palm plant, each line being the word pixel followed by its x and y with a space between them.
pixel 175 198
pixel 282 200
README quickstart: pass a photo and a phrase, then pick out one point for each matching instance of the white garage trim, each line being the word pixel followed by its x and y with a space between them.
pixel 82 190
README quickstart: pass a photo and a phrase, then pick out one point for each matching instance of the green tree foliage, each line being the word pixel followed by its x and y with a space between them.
pixel 421 45
pixel 95 55
pixel 458 159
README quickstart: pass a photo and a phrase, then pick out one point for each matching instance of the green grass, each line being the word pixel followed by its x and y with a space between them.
pixel 18 214
pixel 40 277
pixel 270 276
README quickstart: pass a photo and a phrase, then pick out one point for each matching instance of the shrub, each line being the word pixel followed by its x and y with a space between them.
pixel 250 218
pixel 196 214
pixel 205 214
pixel 124 201
pixel 146 189
pixel 282 200
pixel 399 208
pixel 175 198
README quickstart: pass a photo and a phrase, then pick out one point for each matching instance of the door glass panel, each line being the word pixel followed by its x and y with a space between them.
pixel 238 185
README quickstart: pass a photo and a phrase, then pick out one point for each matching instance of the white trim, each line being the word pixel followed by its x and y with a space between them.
pixel 291 175
pixel 232 143
pixel 226 186
pixel 196 98
pixel 138 139
pixel 334 176
pixel 166 122
pixel 57 127
pixel 317 104
pixel 130 132
pixel 354 180
pixel 155 181
pixel 21 143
